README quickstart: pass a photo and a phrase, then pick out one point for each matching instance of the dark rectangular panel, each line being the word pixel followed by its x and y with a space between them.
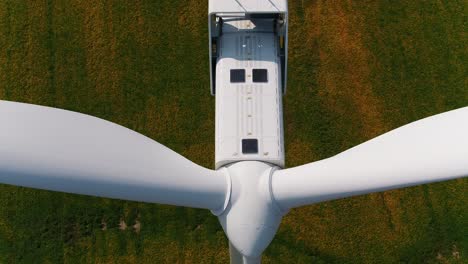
pixel 238 76
pixel 260 75
pixel 249 146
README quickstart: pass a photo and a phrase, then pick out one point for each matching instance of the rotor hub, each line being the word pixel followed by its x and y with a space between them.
pixel 251 216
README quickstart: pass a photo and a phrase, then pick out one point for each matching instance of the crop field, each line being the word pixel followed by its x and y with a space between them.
pixel 357 69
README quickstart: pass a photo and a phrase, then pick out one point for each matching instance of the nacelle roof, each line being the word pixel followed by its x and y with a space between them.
pixel 247 6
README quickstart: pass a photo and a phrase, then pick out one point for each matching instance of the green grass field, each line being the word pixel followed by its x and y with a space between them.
pixel 357 69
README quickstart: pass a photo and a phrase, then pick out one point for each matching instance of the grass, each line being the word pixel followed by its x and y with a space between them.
pixel 357 69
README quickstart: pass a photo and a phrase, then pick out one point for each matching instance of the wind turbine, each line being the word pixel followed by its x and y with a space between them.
pixel 250 191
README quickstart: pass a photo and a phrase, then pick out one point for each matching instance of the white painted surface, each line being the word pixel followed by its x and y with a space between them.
pixel 247 6
pixel 429 150
pixel 252 217
pixel 53 149
pixel 248 110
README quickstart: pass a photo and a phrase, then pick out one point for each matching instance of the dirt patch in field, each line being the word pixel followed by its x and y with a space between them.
pixel 137 226
pixel 202 154
pixel 300 152
pixel 24 45
pixel 5 28
pixel 344 75
pixel 344 81
pixel 39 78
pixel 5 230
pixel 391 203
pixel 159 117
pixel 103 225
pixel 101 46
pixel 138 24
pixel 452 257
pixel 122 225
pixel 187 20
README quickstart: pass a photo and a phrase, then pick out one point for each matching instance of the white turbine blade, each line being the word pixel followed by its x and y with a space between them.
pixel 429 150
pixel 59 150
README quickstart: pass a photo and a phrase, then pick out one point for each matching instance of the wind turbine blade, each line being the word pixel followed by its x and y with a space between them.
pixel 429 150
pixel 59 150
